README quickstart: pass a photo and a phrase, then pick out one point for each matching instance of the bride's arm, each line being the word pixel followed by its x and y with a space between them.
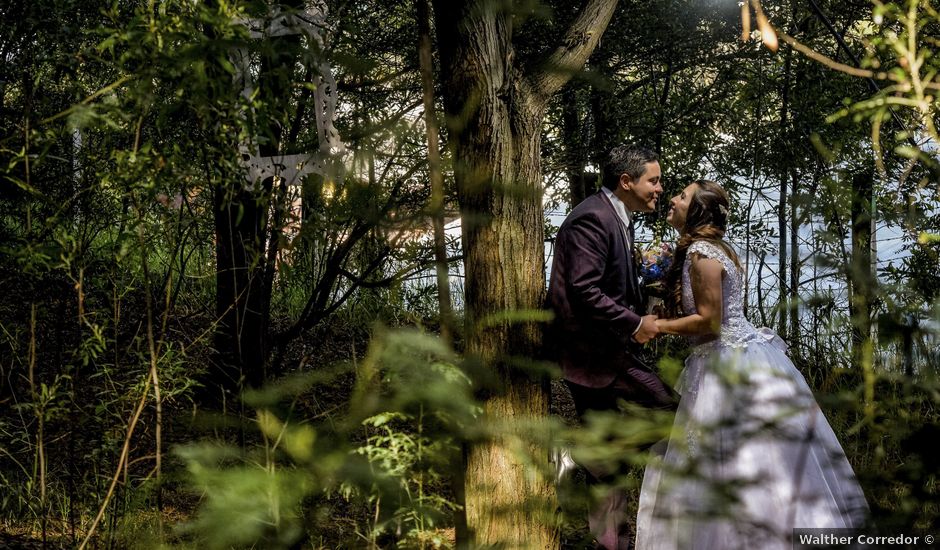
pixel 705 275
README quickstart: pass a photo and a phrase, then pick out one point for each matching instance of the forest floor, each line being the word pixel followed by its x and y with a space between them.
pixel 179 505
pixel 139 518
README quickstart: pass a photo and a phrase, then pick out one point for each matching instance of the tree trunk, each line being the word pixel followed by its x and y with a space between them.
pixel 495 120
pixel 795 221
pixel 572 131
pixel 794 298
pixel 498 176
pixel 245 265
pixel 661 109
pixel 862 284
pixel 782 206
pixel 239 226
pixel 503 236
pixel 436 176
pixel 603 103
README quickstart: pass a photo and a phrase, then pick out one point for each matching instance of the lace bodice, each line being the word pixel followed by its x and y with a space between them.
pixel 736 330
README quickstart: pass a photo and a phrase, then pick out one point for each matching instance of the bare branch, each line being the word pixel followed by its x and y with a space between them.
pixel 829 62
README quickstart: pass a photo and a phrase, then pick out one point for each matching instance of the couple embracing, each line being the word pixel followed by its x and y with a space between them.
pixel 751 456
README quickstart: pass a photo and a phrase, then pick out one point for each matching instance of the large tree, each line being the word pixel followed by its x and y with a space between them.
pixel 495 107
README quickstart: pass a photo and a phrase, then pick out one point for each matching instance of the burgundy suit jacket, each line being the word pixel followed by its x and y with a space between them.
pixel 595 294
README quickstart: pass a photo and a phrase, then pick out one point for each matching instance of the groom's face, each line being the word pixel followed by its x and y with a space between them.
pixel 641 194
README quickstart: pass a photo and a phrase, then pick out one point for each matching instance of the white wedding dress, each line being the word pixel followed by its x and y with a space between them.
pixel 751 456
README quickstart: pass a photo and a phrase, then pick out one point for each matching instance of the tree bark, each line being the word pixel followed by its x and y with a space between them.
pixel 239 224
pixel 796 219
pixel 602 102
pixel 861 282
pixel 495 121
pixel 782 205
pixel 573 142
pixel 661 108
pixel 436 175
pixel 436 211
pixel 794 299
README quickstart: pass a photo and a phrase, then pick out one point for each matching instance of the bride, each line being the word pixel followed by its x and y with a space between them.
pixel 751 456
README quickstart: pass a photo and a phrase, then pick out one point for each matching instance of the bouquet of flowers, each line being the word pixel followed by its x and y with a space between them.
pixel 654 264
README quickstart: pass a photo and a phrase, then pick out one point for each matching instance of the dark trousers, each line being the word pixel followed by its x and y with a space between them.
pixel 607 518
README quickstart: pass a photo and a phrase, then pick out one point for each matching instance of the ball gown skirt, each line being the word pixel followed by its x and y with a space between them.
pixel 751 457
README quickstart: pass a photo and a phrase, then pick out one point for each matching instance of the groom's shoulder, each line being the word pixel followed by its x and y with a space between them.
pixel 596 204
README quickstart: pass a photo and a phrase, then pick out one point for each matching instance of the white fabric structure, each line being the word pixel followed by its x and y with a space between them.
pixel 751 456
pixel 311 24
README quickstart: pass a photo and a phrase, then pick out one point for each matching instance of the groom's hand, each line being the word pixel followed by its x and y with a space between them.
pixel 648 330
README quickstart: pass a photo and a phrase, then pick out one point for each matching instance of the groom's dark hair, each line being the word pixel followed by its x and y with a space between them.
pixel 626 159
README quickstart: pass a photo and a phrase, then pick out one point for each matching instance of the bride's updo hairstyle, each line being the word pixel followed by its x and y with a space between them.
pixel 706 220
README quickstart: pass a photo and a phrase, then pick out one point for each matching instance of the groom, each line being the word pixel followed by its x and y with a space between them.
pixel 595 294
